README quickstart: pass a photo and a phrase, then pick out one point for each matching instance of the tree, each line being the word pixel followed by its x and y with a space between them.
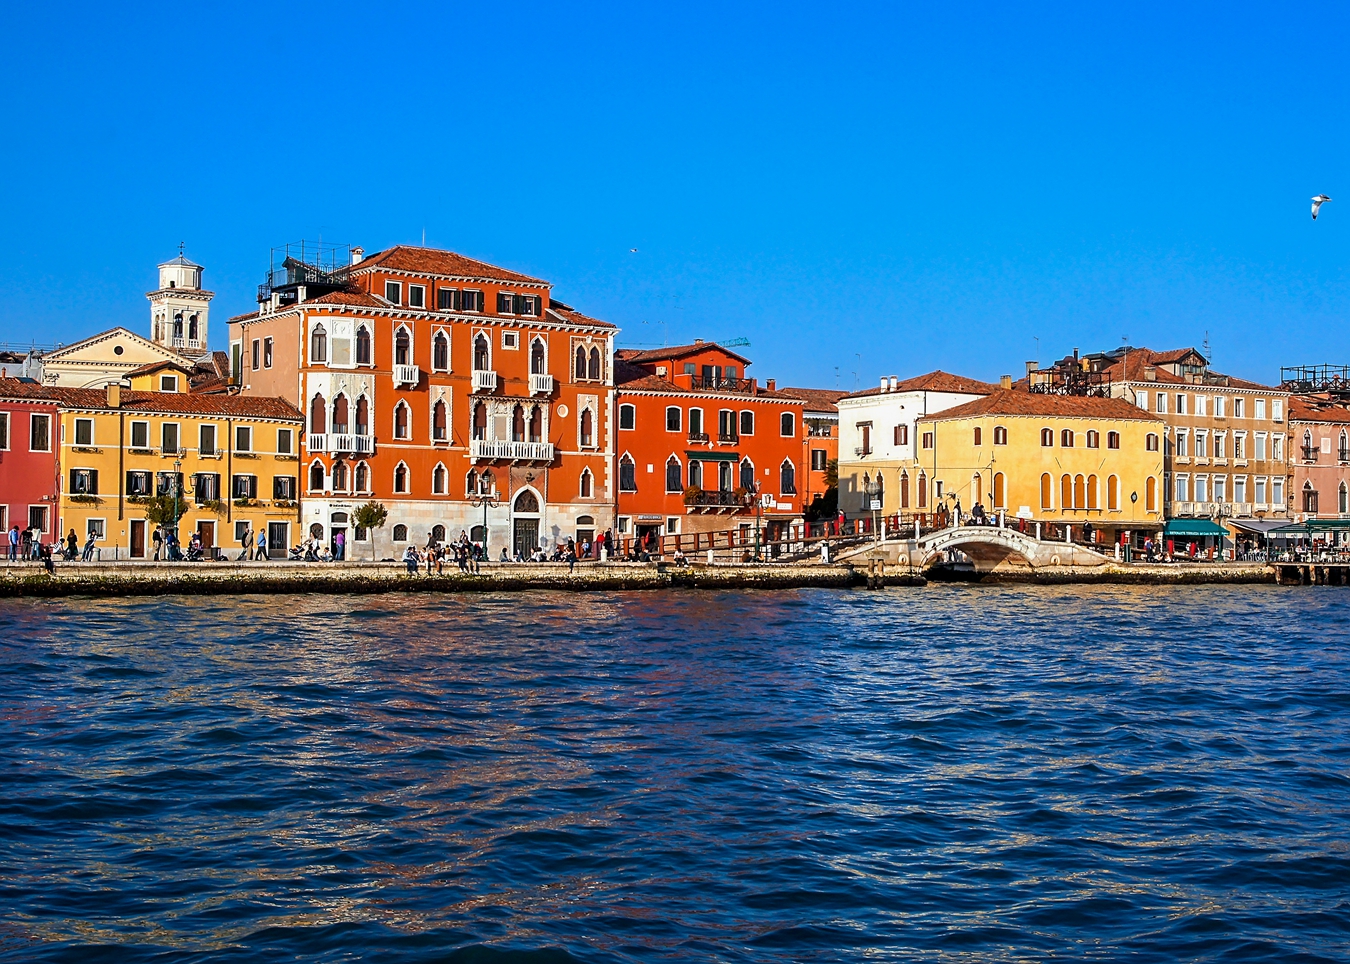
pixel 159 510
pixel 371 516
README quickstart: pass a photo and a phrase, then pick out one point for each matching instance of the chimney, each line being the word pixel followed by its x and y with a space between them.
pixel 1005 382
pixel 1032 366
pixel 698 341
pixel 114 394
pixel 771 384
pixel 301 293
pixel 895 383
pixel 358 253
pixel 1075 355
pixel 1150 373
pixel 885 384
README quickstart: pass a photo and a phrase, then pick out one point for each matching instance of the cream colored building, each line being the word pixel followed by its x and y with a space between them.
pixel 106 357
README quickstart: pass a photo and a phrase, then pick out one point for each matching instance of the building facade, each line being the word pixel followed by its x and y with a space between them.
pixel 1320 457
pixel 820 449
pixel 1063 460
pixel 180 308
pixel 701 447
pixel 29 473
pixel 458 394
pixel 878 441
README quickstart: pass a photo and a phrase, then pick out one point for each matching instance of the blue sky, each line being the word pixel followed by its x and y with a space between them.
pixel 861 192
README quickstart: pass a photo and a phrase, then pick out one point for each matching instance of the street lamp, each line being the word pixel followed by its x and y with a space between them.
pixel 873 489
pixel 488 500
pixel 178 487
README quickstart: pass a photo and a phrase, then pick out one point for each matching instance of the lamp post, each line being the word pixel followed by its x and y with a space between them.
pixel 873 489
pixel 178 489
pixel 488 500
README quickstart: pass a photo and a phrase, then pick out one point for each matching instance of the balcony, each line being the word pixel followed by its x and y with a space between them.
pixel 541 384
pixel 316 442
pixel 484 381
pixel 728 438
pixel 407 375
pixel 742 386
pixel 718 502
pixel 353 444
pixel 498 449
pixel 697 437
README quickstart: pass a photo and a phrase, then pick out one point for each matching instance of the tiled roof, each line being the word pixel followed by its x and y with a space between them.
pixel 435 261
pixel 360 299
pixel 155 366
pixel 573 317
pixel 678 351
pixel 936 381
pixel 816 399
pixel 1318 408
pixel 1131 368
pixel 630 378
pixel 243 406
pixel 1004 402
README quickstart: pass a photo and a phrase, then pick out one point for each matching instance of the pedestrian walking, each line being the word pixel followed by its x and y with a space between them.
pixel 14 540
pixel 262 546
pixel 157 539
pixel 247 543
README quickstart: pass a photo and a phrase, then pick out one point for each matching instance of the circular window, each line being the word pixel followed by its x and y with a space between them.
pixel 562 411
pixel 117 349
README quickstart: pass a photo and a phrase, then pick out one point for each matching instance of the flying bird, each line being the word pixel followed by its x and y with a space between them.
pixel 634 250
pixel 1318 202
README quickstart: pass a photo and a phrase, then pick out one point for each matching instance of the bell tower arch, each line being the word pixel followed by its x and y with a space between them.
pixel 180 307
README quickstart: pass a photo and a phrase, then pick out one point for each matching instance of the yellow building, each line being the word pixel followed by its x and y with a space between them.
pixel 232 460
pixel 1042 458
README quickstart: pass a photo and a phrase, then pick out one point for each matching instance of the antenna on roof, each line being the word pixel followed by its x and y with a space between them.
pixel 1205 346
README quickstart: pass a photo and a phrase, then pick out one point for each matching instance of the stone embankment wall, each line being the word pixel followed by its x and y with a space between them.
pixel 1134 574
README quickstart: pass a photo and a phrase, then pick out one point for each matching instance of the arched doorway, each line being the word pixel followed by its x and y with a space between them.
pixel 525 522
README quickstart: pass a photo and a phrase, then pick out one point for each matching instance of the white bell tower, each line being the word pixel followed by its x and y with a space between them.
pixel 179 309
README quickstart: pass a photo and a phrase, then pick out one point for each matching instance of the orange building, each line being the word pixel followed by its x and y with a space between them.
pixel 702 448
pixel 820 443
pixel 458 394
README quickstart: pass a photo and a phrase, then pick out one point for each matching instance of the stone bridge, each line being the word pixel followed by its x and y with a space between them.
pixel 987 548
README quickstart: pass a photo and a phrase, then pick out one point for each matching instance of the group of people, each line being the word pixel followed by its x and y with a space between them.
pixel 25 543
pixel 462 552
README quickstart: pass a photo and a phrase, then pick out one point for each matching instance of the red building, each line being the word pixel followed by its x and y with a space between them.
pixel 29 476
pixel 820 447
pixel 702 448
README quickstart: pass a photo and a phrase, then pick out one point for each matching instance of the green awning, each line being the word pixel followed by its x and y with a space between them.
pixel 1312 527
pixel 1193 528
pixel 712 456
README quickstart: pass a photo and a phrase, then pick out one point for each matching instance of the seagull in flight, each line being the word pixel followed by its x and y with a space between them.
pixel 1318 202
pixel 634 250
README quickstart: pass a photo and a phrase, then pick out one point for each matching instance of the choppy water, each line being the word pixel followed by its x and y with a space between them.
pixel 951 774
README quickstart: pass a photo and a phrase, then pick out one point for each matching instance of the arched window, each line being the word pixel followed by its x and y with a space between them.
pixel 1047 488
pixel 1113 440
pixel 1066 492
pixel 402 347
pixel 438 533
pixel 1151 494
pixel 526 501
pixel 518 423
pixel 747 423
pixel 538 361
pixel 593 369
pixel 787 478
pixel 1000 495
pixel 318 344
pixel 178 327
pixel 339 476
pixel 1342 505
pixel 696 475
pixel 400 533
pixel 340 414
pixel 482 354
pixel 362 416
pixel 316 477
pixel 1066 438
pixel 1094 439
pixel 402 420
pixel 1343 450
pixel 673 475
pixel 1079 492
pixel 587 424
pixel 922 490
pixel 400 478
pixel 479 421
pixel 976 488
pixel 438 480
pixel 724 475
pixel 1092 502
pixel 1309 498
pixel 787 425
pixel 672 418
pixel 580 370
pixel 192 327
pixel 438 426
pixel 1047 437
pixel 1000 435
pixel 1151 442
pixel 627 418
pixel 585 487
pixel 747 474
pixel 1112 493
pixel 318 416
pixel 1308 453
pixel 471 483
pixel 904 490
pixel 627 474
pixel 440 352
pixel 536 424
pixel 362 477
pixel 979 435
pixel 363 345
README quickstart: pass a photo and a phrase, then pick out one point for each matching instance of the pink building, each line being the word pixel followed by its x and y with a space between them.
pixel 1319 447
pixel 29 476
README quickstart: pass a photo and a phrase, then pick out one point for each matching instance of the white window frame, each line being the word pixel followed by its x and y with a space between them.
pixel 4 436
pixel 1277 491
pixel 422 290
pixel 398 292
pixel 510 341
pixel 1161 407
pixel 289 447
pixel 1181 487
pixel 449 345
pixel 678 411
pixel 631 408
pixel 1239 409
pixel 1259 446
pixel 1200 405
pixel 102 529
pixel 168 383
pixel 1277 410
pixel 1181 403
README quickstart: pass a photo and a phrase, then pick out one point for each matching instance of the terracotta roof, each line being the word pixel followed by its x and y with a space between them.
pixel 155 366
pixel 1318 408
pixel 936 381
pixel 678 351
pixel 246 406
pixel 1004 402
pixel 361 299
pixel 816 399
pixel 631 378
pixel 435 261
pixel 1140 358
pixel 573 317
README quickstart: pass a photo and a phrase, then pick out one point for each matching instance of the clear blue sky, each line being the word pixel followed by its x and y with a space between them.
pixel 877 190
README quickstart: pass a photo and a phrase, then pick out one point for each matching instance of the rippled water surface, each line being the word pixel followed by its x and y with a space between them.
pixel 949 774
